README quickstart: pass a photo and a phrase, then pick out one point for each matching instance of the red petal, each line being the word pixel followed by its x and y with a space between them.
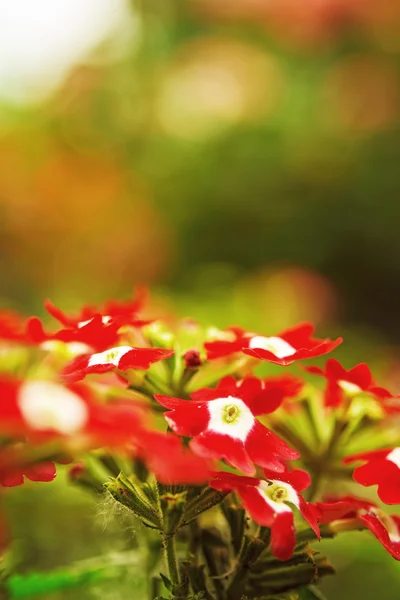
pixel 220 349
pixel 283 537
pixel 143 358
pixel 334 395
pixel 298 335
pixel 41 472
pixel 264 446
pixel 258 508
pixel 59 315
pixel 190 420
pixel 230 481
pixel 377 528
pixel 383 473
pixel 298 478
pixel 310 513
pixel 215 445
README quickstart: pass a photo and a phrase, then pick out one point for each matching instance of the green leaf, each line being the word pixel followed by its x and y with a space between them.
pixel 167 582
pixel 86 572
pixel 311 592
pixel 33 584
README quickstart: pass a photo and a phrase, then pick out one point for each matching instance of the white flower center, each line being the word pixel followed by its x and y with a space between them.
pixel 104 320
pixel 349 388
pixel 277 493
pixel 46 405
pixel 275 345
pixel 112 356
pixel 394 457
pixel 230 416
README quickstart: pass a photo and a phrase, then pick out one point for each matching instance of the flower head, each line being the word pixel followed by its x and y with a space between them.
pixel 121 313
pixel 223 425
pixel 119 358
pixel 283 348
pixel 341 382
pixel 92 335
pixel 269 502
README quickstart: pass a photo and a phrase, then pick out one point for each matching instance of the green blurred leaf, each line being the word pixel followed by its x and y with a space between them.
pixel 167 582
pixel 311 592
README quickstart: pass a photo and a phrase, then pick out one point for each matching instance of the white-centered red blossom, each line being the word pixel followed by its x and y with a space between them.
pixel 94 335
pixel 381 468
pixel 386 528
pixel 341 383
pixel 72 418
pixel 223 425
pixel 120 358
pixel 270 502
pixel 42 410
pixel 283 348
pixel 262 396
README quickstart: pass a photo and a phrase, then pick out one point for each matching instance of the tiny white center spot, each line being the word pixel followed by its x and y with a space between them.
pixel 230 416
pixel 277 493
pixel 277 346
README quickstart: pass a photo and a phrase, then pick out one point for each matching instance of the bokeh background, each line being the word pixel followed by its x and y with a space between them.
pixel 240 157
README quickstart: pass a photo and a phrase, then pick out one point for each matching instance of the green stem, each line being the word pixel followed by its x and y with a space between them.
pixel 172 564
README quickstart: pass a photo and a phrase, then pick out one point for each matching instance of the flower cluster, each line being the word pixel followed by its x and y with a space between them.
pixel 272 443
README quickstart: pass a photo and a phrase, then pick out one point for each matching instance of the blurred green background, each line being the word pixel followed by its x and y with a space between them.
pixel 242 158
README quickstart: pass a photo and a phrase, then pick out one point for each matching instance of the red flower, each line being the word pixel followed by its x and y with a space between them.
pixel 267 503
pixel 262 396
pixel 382 469
pixel 93 335
pixel 284 348
pixel 386 528
pixel 120 357
pixel 122 313
pixel 223 425
pixel 44 410
pixel 341 382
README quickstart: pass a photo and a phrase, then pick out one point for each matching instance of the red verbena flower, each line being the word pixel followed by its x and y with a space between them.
pixel 45 410
pixel 269 502
pixel 223 425
pixel 119 358
pixel 93 335
pixel 382 468
pixel 386 528
pixel 263 396
pixel 283 348
pixel 121 313
pixel 341 382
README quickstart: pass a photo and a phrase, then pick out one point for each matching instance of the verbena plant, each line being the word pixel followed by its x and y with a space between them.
pixel 225 469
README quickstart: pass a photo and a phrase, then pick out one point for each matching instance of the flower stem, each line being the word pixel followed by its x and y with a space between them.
pixel 172 564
